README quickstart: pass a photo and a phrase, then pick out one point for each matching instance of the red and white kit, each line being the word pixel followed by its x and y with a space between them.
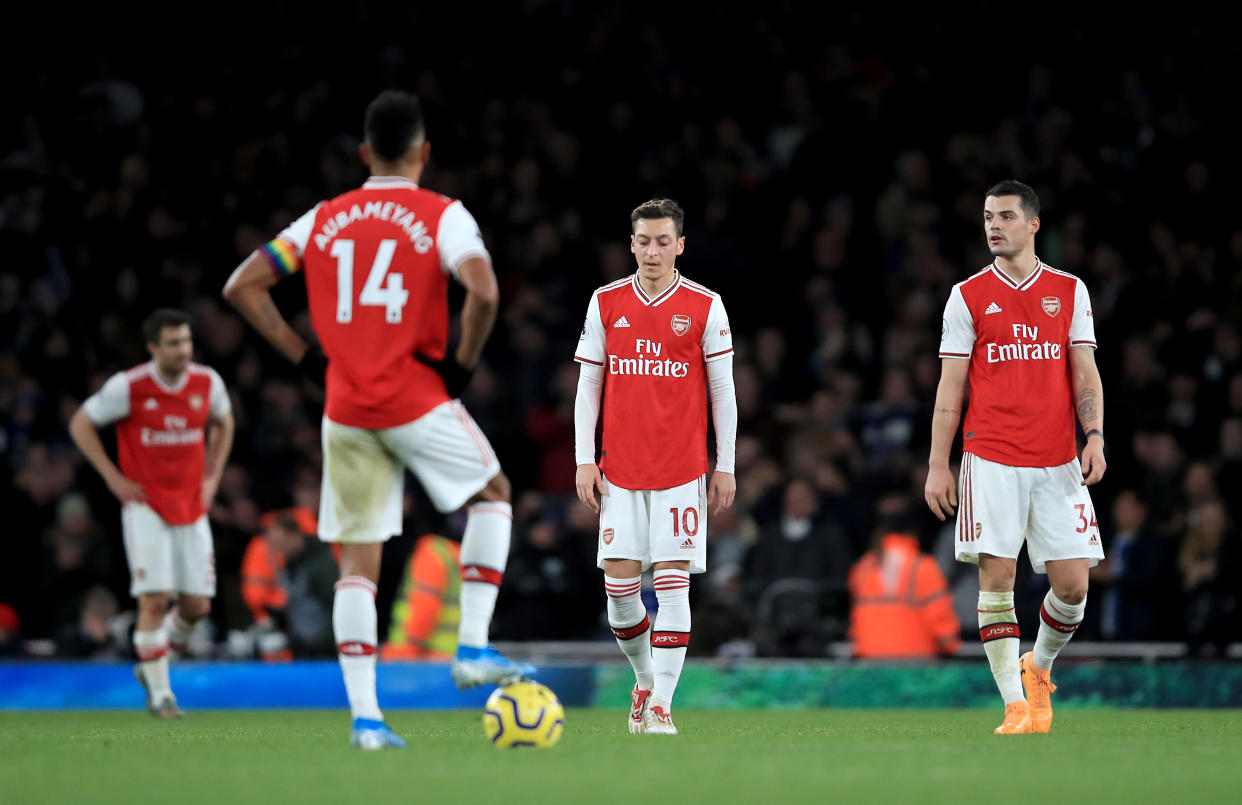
pixel 1020 478
pixel 160 434
pixel 654 355
pixel 378 261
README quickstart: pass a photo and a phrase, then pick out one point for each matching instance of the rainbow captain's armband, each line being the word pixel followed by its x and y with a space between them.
pixel 282 258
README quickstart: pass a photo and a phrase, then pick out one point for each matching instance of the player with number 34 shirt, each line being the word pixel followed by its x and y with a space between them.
pixel 1020 335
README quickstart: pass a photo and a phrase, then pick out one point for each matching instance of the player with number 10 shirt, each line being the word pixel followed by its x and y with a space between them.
pixel 654 342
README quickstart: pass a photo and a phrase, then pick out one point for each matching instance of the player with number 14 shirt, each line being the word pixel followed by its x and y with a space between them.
pixel 377 262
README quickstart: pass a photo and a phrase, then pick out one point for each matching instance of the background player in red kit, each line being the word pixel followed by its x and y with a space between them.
pixel 377 262
pixel 1022 335
pixel 167 480
pixel 652 341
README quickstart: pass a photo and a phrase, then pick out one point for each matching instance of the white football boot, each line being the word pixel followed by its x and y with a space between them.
pixel 639 699
pixel 166 706
pixel 658 720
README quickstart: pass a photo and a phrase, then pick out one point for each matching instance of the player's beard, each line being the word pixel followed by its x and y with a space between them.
pixel 173 369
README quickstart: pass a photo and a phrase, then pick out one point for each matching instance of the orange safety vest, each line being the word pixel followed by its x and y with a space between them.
pixel 259 587
pixel 900 603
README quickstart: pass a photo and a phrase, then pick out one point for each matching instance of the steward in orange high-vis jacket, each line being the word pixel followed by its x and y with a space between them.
pixel 900 603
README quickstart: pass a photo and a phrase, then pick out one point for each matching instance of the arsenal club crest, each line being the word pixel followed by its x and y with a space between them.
pixel 606 536
pixel 1052 305
pixel 196 401
pixel 681 324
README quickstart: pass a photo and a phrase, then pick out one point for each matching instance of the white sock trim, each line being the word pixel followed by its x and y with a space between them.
pixel 491 507
pixel 357 581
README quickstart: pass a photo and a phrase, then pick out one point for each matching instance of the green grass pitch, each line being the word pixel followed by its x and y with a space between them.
pixel 771 757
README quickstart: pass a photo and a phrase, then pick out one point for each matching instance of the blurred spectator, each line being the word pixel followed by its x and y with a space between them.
pixel 92 635
pixel 797 571
pixel 1231 465
pixel 288 581
pixel 10 631
pixel 77 559
pixel 551 588
pixel 900 603
pixel 888 425
pixel 259 586
pixel 426 611
pixel 1136 578
pixel 1209 564
pixel 723 616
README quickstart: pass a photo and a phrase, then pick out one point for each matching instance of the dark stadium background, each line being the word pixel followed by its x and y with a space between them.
pixel 832 164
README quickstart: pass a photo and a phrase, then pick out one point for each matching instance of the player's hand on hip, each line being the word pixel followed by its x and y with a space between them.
pixel 455 376
pixel 940 492
pixel 127 491
pixel 314 366
pixel 587 481
pixel 1093 463
pixel 210 485
pixel 720 493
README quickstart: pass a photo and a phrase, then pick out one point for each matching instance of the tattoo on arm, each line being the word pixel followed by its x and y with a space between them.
pixel 1088 407
pixel 947 411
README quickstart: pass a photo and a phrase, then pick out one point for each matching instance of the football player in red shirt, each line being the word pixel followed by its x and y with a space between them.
pixel 1021 335
pixel 166 483
pixel 654 342
pixel 378 261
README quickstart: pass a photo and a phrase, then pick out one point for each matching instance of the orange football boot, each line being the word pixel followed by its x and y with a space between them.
pixel 1038 687
pixel 1017 720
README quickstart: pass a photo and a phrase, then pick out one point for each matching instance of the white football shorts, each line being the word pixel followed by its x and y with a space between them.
pixel 364 471
pixel 1000 506
pixel 661 525
pixel 167 558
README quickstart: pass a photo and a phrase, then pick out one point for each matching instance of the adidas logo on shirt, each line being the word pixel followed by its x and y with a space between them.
pixel 150 404
pixel 688 545
pixel 621 322
pixel 992 308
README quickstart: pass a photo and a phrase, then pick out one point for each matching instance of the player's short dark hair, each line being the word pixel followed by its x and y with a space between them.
pixel 154 324
pixel 394 124
pixel 658 208
pixel 1027 196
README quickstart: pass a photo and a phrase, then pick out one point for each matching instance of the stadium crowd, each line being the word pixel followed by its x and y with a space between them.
pixel 833 183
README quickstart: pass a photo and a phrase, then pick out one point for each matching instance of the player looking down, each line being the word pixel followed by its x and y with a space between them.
pixel 654 343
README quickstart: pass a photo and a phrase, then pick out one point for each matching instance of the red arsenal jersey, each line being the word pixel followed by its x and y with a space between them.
pixel 654 353
pixel 1017 337
pixel 377 263
pixel 160 433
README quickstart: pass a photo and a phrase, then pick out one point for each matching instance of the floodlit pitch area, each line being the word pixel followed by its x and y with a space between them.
pixel 773 757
